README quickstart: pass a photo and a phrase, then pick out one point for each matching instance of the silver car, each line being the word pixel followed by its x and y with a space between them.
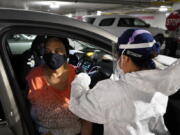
pixel 18 29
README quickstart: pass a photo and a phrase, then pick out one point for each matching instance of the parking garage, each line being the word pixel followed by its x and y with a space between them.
pixel 92 29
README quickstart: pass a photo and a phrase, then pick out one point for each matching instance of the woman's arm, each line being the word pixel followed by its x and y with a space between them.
pixel 166 81
pixel 84 103
pixel 86 127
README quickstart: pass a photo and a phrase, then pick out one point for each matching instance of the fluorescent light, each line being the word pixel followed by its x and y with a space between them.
pixel 51 4
pixel 99 12
pixel 69 15
pixel 163 9
pixel 54 5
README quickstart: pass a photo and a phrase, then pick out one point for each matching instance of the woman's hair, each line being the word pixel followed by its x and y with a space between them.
pixel 37 42
pixel 63 40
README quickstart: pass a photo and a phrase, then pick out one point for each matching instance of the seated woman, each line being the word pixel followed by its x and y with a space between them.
pixel 49 92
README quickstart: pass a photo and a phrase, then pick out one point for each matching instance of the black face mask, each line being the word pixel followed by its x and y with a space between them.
pixel 54 61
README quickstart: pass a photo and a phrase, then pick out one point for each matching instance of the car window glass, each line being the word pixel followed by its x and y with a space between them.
pixel 90 20
pixel 79 45
pixel 122 22
pixel 138 22
pixel 107 22
pixel 125 22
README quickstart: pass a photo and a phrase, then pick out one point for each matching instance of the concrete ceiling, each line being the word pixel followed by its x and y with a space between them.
pixel 71 6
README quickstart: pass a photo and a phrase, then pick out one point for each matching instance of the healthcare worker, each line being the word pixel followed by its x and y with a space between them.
pixel 135 103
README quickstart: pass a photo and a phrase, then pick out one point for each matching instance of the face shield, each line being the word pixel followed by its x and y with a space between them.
pixel 117 61
pixel 135 43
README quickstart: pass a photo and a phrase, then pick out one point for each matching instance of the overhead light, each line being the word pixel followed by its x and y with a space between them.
pixel 69 15
pixel 54 5
pixel 51 4
pixel 99 12
pixel 163 9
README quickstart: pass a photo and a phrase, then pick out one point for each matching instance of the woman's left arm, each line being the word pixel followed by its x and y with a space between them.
pixel 83 102
pixel 86 128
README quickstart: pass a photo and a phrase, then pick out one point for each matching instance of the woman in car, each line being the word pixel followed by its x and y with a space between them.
pixel 134 101
pixel 49 92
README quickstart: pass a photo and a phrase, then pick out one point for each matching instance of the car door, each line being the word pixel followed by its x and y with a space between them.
pixel 23 22
pixel 10 121
pixel 4 129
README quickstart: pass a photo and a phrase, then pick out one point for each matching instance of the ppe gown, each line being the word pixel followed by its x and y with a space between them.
pixel 133 105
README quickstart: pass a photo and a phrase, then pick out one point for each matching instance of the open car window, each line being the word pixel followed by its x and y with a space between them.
pixel 18 43
pixel 82 53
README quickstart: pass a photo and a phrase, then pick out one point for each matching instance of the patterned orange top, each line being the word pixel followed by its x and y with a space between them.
pixel 50 105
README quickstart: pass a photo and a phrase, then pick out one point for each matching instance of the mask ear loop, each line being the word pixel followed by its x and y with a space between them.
pixel 123 53
pixel 122 57
pixel 119 69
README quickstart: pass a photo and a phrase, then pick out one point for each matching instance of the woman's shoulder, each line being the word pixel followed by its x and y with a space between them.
pixel 72 69
pixel 72 73
pixel 37 71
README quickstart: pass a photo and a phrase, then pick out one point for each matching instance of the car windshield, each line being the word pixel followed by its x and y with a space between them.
pixel 80 45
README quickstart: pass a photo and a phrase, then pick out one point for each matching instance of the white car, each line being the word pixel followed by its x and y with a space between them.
pixel 117 24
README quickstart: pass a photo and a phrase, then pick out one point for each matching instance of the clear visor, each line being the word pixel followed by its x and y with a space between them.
pixel 117 72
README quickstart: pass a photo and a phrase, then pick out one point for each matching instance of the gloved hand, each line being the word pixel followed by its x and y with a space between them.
pixel 83 80
pixel 80 85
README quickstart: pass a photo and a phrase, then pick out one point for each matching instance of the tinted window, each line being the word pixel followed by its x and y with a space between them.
pixel 107 22
pixel 125 22
pixel 90 20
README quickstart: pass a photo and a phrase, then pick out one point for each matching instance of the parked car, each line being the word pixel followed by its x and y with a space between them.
pixel 18 29
pixel 117 24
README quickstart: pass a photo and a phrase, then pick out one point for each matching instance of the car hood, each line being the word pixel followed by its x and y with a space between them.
pixel 163 61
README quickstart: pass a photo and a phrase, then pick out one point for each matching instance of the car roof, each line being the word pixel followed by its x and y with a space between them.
pixel 18 15
pixel 108 16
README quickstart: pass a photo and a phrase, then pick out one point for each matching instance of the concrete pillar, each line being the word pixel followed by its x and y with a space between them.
pixel 80 13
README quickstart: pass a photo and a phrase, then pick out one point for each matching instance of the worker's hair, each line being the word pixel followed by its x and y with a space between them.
pixel 145 63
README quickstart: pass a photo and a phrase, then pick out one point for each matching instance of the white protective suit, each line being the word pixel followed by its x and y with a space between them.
pixel 133 105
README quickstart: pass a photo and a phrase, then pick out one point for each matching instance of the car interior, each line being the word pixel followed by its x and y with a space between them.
pixel 86 57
